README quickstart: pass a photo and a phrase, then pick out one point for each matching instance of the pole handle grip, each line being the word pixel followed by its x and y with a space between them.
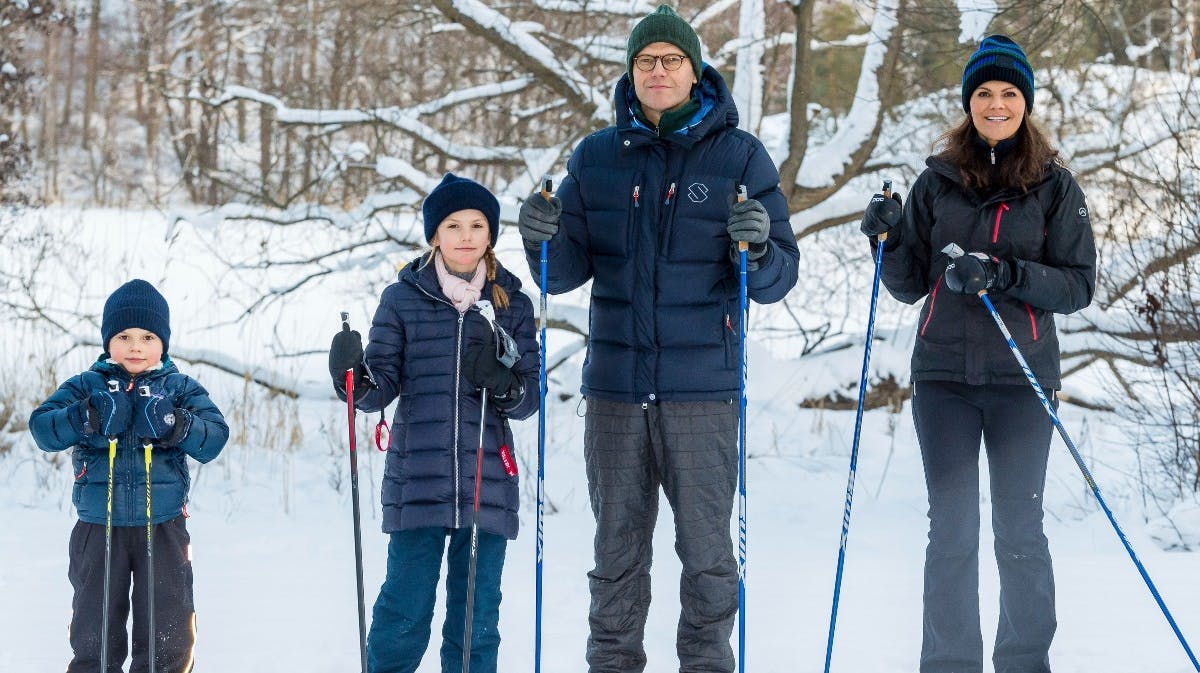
pixel 742 195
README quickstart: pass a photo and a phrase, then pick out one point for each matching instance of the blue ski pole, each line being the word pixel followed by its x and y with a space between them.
pixel 862 392
pixel 955 251
pixel 742 533
pixel 547 190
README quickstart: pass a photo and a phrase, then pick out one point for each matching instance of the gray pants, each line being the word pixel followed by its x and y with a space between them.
pixel 690 449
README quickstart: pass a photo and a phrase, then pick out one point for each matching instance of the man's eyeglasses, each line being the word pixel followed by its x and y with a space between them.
pixel 646 63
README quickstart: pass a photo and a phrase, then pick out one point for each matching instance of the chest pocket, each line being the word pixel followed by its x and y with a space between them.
pixel 698 217
pixel 1017 228
pixel 613 213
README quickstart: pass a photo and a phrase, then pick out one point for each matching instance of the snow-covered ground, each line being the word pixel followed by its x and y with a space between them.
pixel 272 538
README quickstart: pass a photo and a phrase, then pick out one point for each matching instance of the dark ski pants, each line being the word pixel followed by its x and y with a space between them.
pixel 950 420
pixel 403 613
pixel 174 612
pixel 690 450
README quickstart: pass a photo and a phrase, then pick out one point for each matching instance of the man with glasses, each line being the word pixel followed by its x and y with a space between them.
pixel 647 213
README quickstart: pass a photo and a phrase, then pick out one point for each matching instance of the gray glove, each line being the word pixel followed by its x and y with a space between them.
pixel 538 219
pixel 749 222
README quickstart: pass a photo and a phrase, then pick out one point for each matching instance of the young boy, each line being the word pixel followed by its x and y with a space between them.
pixel 132 397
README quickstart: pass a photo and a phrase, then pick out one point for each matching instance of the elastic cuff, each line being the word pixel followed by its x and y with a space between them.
pixel 183 425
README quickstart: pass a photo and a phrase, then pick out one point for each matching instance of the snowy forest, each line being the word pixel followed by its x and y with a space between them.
pixel 264 163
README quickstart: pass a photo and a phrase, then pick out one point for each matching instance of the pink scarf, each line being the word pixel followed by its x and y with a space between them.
pixel 463 294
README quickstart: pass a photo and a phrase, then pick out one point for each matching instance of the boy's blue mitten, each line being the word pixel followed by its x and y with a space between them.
pixel 155 417
pixel 105 412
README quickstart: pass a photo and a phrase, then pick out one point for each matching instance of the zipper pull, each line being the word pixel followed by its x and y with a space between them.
pixel 637 190
pixel 670 195
pixel 992 151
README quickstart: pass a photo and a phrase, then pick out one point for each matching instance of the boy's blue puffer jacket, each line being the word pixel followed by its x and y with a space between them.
pixel 170 480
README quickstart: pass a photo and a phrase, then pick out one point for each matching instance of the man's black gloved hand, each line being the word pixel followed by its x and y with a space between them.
pixel 538 219
pixel 346 353
pixel 749 222
pixel 881 217
pixel 977 271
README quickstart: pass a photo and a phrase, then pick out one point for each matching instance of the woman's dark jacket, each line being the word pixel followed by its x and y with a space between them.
pixel 1047 234
pixel 644 218
pixel 55 427
pixel 414 352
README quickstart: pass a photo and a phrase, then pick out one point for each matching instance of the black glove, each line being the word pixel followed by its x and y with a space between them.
pixel 538 218
pixel 976 271
pixel 104 412
pixel 881 217
pixel 749 222
pixel 346 353
pixel 481 368
pixel 155 417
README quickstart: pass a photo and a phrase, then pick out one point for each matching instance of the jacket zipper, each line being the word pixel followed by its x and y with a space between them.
pixel 637 191
pixel 457 387
pixel 670 195
pixel 1032 321
pixel 932 303
pixel 999 214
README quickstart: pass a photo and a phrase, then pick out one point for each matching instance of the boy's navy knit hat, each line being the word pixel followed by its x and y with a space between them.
pixel 136 304
pixel 998 58
pixel 664 25
pixel 454 194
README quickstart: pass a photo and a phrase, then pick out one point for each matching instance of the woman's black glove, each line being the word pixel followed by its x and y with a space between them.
pixel 346 353
pixel 882 215
pixel 978 271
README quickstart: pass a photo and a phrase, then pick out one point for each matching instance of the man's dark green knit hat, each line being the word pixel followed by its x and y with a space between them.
pixel 664 25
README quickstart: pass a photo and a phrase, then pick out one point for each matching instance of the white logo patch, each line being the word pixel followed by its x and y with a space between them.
pixel 698 192
pixel 1082 211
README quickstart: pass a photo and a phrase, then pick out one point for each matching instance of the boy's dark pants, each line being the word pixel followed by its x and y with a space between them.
pixel 951 418
pixel 174 613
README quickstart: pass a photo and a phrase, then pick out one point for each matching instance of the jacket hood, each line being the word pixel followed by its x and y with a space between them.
pixel 717 109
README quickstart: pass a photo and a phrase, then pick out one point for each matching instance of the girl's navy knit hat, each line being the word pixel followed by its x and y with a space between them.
pixel 998 58
pixel 136 304
pixel 454 194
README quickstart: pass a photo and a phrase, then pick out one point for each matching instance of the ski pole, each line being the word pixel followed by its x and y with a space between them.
pixel 113 387
pixel 543 385
pixel 358 561
pixel 744 307
pixel 147 451
pixel 469 617
pixel 954 251
pixel 862 393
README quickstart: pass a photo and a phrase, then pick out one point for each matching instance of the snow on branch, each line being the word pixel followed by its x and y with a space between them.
pixel 527 50
pixel 404 119
pixel 826 163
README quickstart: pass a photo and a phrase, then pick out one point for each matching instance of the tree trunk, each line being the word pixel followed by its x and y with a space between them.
pixel 798 100
pixel 93 71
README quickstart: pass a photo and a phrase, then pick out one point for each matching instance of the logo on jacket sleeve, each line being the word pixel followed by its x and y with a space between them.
pixel 697 192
